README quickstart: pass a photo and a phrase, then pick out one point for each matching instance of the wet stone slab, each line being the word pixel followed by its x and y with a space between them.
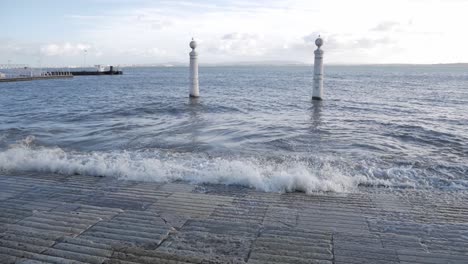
pixel 216 241
pixel 47 218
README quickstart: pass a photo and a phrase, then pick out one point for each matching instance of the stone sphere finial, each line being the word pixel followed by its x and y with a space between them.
pixel 193 44
pixel 319 42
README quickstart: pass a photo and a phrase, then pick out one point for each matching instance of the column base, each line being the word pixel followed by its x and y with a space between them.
pixel 194 96
pixel 316 98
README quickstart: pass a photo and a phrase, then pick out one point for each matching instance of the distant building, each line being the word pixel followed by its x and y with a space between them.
pixel 2 75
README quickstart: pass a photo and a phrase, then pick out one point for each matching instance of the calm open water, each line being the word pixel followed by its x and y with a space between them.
pixel 379 126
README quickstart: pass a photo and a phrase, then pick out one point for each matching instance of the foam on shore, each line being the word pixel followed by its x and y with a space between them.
pixel 285 175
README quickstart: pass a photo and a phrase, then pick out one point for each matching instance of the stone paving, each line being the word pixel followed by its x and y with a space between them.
pixel 81 219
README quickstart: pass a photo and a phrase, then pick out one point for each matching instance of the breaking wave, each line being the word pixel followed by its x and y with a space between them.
pixel 314 174
pixel 261 174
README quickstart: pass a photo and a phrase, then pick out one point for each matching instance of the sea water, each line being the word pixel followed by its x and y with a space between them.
pixel 256 126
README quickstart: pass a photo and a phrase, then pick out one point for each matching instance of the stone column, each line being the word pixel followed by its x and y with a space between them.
pixel 194 89
pixel 317 93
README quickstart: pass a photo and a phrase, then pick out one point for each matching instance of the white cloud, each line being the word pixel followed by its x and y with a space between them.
pixel 238 44
pixel 10 47
pixel 64 49
pixel 148 53
pixel 386 26
pixel 240 36
pixel 360 31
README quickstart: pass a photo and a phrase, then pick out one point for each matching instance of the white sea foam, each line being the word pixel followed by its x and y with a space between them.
pixel 261 174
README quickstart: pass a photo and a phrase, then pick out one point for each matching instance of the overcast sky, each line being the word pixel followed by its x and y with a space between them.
pixel 142 31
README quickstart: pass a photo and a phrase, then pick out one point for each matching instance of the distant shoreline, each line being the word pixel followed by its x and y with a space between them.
pixel 288 64
pixel 266 64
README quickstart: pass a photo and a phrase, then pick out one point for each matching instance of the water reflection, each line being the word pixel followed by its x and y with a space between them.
pixel 316 115
pixel 195 120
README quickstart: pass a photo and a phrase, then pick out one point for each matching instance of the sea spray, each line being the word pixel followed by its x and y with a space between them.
pixel 270 174
pixel 267 175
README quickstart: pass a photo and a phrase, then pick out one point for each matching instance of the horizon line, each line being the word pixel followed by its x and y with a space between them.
pixel 266 63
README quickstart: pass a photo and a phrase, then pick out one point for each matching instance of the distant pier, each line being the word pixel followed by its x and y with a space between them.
pixel 34 78
pixel 101 70
pixel 21 73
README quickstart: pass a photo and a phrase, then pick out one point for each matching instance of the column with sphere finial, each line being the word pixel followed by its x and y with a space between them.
pixel 194 90
pixel 317 93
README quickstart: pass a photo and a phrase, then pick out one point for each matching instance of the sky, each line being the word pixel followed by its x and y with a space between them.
pixel 57 33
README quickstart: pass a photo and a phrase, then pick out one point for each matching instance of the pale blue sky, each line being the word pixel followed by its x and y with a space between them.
pixel 142 31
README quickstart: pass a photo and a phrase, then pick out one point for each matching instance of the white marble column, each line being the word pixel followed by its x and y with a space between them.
pixel 317 93
pixel 194 89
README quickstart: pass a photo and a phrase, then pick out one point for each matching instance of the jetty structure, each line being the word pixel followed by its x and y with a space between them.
pixel 100 70
pixel 35 78
pixel 24 73
pixel 317 92
pixel 194 90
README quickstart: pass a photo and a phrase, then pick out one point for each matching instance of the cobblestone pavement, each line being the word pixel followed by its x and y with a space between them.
pixel 81 219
